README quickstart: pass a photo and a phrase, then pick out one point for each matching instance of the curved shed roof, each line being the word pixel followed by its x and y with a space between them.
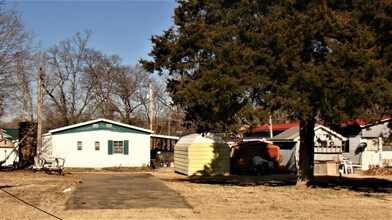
pixel 201 138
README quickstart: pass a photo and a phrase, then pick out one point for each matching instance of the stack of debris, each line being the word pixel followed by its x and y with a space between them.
pixel 378 171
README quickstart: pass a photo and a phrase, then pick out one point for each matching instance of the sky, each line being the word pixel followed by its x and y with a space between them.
pixel 122 28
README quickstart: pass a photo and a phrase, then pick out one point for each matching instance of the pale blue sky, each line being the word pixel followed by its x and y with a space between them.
pixel 118 27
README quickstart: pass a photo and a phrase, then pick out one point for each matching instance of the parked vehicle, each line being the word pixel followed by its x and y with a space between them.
pixel 253 158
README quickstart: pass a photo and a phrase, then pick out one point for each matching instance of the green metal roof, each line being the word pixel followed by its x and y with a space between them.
pixel 14 133
pixel 100 124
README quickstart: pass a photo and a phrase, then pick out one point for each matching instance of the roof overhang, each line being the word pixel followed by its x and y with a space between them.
pixel 100 120
pixel 330 131
pixel 164 136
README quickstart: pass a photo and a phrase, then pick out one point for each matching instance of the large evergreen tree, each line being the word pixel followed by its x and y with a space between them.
pixel 233 62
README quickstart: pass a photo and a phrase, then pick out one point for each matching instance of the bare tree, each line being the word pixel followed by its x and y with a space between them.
pixel 129 92
pixel 161 105
pixel 63 80
pixel 101 73
pixel 22 81
pixel 120 92
pixel 15 41
pixel 79 82
pixel 82 83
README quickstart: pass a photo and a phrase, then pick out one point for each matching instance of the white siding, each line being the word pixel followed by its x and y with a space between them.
pixel 372 158
pixel 6 151
pixel 46 148
pixel 327 157
pixel 65 146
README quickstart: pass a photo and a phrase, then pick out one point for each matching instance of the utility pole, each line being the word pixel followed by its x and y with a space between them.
pixel 151 112
pixel 39 112
pixel 168 126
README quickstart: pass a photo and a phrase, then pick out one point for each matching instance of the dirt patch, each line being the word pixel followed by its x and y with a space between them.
pixel 26 195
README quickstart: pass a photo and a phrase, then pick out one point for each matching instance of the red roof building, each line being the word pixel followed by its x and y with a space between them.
pixel 263 131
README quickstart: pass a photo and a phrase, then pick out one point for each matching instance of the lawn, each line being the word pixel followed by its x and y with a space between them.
pixel 38 195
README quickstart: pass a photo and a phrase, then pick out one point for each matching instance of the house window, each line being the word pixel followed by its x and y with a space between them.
pixel 108 125
pixel 118 147
pixel 97 145
pixel 79 145
pixel 346 146
pixel 95 125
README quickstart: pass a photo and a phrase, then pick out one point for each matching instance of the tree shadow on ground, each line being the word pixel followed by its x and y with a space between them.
pixel 6 168
pixel 362 184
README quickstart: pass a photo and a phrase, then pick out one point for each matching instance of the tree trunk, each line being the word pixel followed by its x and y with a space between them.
pixel 28 144
pixel 306 152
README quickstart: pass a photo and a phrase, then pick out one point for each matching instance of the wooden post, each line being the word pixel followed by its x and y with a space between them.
pixel 151 111
pixel 168 126
pixel 150 114
pixel 39 113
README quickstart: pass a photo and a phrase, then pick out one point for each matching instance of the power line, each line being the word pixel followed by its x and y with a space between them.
pixel 31 204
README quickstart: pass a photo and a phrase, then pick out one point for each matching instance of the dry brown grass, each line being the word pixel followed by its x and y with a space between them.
pixel 245 197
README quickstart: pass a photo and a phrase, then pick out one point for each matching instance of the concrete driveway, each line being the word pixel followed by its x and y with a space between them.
pixel 123 191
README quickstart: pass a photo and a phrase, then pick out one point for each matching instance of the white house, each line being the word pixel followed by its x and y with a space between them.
pixel 328 145
pixel 98 143
pixel 376 136
pixel 8 147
